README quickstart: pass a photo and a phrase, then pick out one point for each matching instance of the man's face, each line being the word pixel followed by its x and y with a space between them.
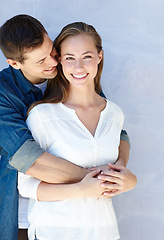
pixel 40 63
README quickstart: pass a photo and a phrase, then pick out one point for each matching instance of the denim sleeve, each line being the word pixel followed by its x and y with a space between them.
pixel 26 155
pixel 124 136
pixel 15 134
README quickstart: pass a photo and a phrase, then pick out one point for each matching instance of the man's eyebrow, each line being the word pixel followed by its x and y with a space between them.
pixel 41 60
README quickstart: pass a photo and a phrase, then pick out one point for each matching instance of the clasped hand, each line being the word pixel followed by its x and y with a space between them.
pixel 115 179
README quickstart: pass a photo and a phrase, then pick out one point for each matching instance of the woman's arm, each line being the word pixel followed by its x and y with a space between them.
pixel 88 187
pixel 30 187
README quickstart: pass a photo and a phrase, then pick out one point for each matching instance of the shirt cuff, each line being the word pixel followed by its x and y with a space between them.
pixel 26 155
pixel 124 136
pixel 28 186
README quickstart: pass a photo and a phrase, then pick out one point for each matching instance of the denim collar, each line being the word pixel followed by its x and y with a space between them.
pixel 24 84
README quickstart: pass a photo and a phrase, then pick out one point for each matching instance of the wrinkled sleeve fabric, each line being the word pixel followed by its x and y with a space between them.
pixel 26 155
pixel 27 186
pixel 124 136
pixel 15 135
pixel 36 125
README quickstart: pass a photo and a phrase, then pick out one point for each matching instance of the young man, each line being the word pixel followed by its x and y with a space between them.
pixel 31 56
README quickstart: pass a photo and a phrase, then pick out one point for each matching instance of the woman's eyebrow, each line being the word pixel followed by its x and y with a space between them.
pixel 70 54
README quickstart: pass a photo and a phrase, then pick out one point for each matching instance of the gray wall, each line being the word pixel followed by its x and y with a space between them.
pixel 133 42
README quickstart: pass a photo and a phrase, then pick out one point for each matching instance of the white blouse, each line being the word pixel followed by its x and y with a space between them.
pixel 59 131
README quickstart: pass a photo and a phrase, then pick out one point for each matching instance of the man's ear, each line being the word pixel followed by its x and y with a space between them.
pixel 15 64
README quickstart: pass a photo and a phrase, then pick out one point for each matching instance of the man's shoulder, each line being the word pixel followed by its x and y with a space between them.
pixel 6 71
pixel 6 76
pixel 10 79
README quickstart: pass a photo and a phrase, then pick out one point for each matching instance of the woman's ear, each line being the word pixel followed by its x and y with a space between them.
pixel 13 63
pixel 100 55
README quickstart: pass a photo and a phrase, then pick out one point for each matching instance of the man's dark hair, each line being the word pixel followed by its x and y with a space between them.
pixel 20 34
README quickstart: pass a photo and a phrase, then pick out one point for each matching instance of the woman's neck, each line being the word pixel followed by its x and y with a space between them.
pixel 87 105
pixel 82 98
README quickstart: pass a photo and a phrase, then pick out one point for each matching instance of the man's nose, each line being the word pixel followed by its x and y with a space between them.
pixel 53 61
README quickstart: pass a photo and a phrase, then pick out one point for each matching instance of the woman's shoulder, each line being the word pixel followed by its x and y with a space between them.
pixel 115 109
pixel 114 105
pixel 43 111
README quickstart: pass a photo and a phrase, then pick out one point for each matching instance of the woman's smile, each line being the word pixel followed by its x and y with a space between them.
pixel 80 76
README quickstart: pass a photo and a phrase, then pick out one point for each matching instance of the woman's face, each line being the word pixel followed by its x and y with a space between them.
pixel 80 59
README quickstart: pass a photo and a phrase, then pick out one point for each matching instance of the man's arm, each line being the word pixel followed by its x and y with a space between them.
pixel 31 159
pixel 52 169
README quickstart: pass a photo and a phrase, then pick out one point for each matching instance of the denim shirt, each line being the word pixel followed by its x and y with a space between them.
pixel 17 147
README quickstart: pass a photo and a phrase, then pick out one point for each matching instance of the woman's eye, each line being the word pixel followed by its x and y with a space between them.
pixel 87 57
pixel 69 58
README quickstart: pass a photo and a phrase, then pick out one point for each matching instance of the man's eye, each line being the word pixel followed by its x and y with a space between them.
pixel 41 62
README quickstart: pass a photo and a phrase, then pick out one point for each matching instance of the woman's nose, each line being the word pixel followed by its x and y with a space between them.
pixel 79 64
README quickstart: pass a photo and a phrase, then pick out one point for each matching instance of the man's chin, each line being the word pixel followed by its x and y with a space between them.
pixel 51 76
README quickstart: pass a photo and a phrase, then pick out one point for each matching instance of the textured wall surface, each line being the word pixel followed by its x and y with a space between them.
pixel 133 77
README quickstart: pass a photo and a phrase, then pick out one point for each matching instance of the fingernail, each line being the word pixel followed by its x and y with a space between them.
pixel 100 177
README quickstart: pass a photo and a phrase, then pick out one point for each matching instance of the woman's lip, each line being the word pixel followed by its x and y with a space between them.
pixel 79 76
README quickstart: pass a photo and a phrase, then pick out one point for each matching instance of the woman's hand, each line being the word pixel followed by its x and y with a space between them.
pixel 90 185
pixel 117 180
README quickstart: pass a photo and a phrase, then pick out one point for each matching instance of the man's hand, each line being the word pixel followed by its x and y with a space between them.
pixel 118 179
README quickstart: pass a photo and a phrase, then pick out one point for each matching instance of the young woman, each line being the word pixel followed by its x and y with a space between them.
pixel 74 122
